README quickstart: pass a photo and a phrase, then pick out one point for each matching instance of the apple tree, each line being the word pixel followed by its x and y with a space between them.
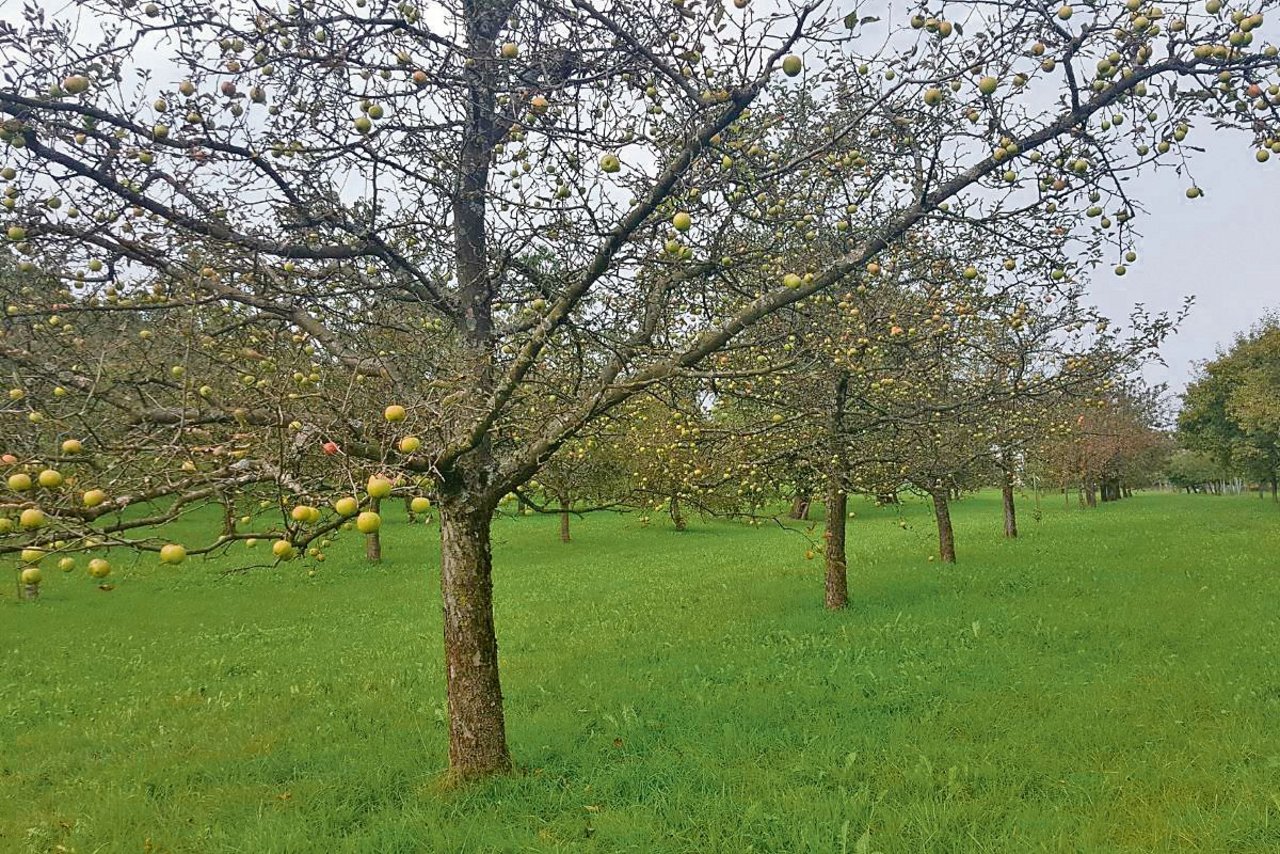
pixel 338 213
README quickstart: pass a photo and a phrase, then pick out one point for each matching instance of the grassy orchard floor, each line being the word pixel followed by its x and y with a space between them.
pixel 1111 682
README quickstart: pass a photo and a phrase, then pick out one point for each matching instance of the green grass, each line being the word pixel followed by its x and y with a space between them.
pixel 1110 682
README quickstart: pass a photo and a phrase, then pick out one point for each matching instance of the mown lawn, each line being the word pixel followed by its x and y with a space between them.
pixel 1110 682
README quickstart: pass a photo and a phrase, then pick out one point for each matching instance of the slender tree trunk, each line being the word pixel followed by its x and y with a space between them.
pixel 1090 495
pixel 1006 495
pixel 28 592
pixel 677 517
pixel 228 516
pixel 1010 511
pixel 946 534
pixel 836 595
pixel 477 727
pixel 837 566
pixel 800 506
pixel 373 542
pixel 564 519
pixel 1275 489
pixel 408 510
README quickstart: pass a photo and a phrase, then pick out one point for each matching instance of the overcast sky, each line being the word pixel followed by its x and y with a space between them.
pixel 1217 248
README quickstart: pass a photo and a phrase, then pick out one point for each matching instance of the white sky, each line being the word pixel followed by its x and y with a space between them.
pixel 1217 248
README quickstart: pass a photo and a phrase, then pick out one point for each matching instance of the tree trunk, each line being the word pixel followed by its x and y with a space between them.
pixel 1090 495
pixel 1275 489
pixel 373 542
pixel 228 516
pixel 1006 494
pixel 477 728
pixel 564 520
pixel 677 517
pixel 946 535
pixel 837 567
pixel 1010 509
pixel 800 506
pixel 28 592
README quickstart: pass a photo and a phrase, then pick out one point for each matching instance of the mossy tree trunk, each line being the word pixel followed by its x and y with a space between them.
pixel 477 725
pixel 835 557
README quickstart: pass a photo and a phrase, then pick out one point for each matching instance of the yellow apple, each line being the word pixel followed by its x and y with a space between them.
pixel 76 84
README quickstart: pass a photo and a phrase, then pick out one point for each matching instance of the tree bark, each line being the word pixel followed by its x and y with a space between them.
pixel 477 727
pixel 677 517
pixel 836 594
pixel 28 592
pixel 373 542
pixel 1010 510
pixel 228 516
pixel 564 520
pixel 946 534
pixel 800 506
pixel 1006 494
pixel 837 566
